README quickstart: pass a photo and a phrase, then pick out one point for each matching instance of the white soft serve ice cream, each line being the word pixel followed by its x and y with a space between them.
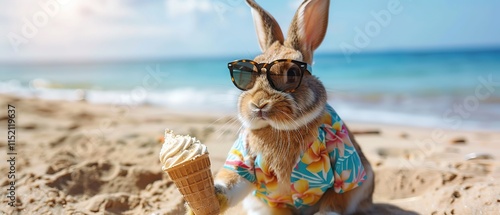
pixel 179 148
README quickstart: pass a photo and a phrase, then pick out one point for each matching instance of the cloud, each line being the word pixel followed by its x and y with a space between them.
pixel 83 30
pixel 176 8
pixel 97 29
pixel 110 29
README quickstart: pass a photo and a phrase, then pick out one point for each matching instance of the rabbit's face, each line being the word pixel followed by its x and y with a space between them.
pixel 266 104
pixel 263 106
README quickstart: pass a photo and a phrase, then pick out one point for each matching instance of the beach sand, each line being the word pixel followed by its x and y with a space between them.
pixel 80 158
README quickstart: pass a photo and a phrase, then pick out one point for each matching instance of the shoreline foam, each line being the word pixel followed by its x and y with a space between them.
pixel 224 102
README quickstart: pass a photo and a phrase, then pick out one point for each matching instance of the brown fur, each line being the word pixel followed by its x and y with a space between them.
pixel 280 147
pixel 228 176
pixel 273 33
pixel 291 120
pixel 295 40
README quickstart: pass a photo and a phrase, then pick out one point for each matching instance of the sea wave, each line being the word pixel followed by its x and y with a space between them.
pixel 186 99
pixel 421 112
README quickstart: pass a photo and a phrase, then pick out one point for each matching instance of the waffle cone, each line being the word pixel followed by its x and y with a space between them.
pixel 195 182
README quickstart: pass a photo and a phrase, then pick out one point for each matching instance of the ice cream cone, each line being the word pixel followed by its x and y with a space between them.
pixel 194 180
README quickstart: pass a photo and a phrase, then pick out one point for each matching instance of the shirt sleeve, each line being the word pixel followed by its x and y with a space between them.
pixel 239 161
pixel 349 172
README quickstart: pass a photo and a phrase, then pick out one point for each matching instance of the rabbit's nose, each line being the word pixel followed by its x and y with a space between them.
pixel 260 110
pixel 259 106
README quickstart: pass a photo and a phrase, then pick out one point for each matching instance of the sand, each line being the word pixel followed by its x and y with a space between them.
pixel 80 158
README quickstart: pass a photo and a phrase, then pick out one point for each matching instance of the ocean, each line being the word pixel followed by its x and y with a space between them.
pixel 453 90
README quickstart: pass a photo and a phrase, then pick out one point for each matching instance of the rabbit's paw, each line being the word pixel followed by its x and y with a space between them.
pixel 220 193
pixel 221 197
pixel 189 211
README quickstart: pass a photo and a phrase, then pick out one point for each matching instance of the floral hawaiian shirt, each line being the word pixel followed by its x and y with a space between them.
pixel 330 161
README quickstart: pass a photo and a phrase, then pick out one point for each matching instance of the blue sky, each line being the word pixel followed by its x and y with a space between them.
pixel 88 30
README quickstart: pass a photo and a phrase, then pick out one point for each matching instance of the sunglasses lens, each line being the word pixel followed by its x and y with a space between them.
pixel 244 75
pixel 285 76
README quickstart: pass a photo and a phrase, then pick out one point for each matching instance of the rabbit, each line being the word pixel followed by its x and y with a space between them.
pixel 294 155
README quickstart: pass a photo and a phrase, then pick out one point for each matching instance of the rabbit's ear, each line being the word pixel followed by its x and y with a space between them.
pixel 308 27
pixel 268 30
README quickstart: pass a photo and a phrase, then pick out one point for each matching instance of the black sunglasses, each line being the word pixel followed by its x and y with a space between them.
pixel 283 75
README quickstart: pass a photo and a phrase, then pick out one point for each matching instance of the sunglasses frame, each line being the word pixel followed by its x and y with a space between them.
pixel 267 66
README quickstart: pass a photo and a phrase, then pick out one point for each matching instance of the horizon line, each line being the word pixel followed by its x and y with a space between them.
pixel 232 56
